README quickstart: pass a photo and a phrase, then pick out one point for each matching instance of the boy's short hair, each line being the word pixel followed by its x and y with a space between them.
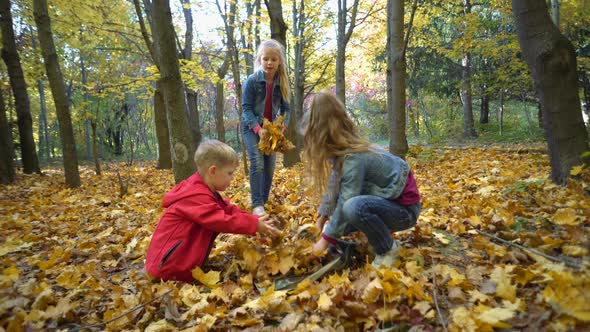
pixel 213 152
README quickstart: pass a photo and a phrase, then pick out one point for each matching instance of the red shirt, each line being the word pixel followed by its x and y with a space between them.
pixel 268 102
pixel 184 235
pixel 410 195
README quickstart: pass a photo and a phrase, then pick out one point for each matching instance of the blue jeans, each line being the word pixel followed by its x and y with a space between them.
pixel 377 217
pixel 262 168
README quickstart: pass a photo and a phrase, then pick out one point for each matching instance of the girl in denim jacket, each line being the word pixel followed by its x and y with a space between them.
pixel 265 95
pixel 367 188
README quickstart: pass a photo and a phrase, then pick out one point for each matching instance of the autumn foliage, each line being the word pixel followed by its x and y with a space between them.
pixel 71 258
pixel 274 139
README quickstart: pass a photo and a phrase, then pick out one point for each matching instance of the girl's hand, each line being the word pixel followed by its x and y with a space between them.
pixel 319 247
pixel 261 133
pixel 320 222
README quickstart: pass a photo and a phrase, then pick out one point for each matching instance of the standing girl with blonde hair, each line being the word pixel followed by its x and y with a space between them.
pixel 367 189
pixel 265 95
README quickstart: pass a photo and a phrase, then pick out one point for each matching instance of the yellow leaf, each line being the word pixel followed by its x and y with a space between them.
pixel 494 316
pixel 462 320
pixel 372 291
pixel 576 251
pixel 324 302
pixel 504 287
pixel 576 170
pixel 209 279
pixel 566 216
pixel 568 294
pixel 285 264
pixel 159 326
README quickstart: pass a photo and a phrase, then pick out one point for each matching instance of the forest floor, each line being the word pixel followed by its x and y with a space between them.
pixel 72 259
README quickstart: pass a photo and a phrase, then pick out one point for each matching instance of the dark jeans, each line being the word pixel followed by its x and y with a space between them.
pixel 262 168
pixel 377 217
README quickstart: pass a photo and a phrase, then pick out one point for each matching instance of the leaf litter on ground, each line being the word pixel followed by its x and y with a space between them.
pixel 71 258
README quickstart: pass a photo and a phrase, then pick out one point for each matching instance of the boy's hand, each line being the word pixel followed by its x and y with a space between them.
pixel 266 227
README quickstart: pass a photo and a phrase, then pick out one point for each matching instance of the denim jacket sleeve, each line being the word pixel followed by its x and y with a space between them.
pixel 248 96
pixel 351 185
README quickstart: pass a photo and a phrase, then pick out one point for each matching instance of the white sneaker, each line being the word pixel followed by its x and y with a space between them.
pixel 387 259
pixel 259 211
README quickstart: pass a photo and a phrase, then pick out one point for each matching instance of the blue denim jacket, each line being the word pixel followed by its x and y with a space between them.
pixel 254 97
pixel 378 173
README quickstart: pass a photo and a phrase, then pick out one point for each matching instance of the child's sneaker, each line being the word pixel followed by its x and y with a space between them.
pixel 387 259
pixel 259 211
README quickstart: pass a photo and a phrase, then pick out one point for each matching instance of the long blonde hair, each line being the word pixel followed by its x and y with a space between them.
pixel 274 45
pixel 329 136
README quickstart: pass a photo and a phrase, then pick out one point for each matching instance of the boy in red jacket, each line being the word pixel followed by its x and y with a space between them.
pixel 196 213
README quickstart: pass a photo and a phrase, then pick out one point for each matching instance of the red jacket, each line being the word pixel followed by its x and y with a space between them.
pixel 184 235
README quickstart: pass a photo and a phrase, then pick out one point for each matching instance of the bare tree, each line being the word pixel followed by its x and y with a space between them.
pixel 345 28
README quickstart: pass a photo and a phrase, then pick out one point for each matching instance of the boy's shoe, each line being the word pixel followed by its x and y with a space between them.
pixel 259 211
pixel 387 259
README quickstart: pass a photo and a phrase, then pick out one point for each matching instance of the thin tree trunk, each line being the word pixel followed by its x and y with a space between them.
pixel 7 172
pixel 19 88
pixel 344 31
pixel 229 23
pixel 160 120
pixel 278 27
pixel 87 120
pixel 396 83
pixel 95 148
pixel 501 115
pixel 299 25
pixel 58 90
pixel 219 102
pixel 555 12
pixel 552 61
pixel 173 90
pixel 484 110
pixel 44 144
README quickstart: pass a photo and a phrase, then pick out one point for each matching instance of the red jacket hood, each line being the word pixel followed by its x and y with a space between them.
pixel 193 186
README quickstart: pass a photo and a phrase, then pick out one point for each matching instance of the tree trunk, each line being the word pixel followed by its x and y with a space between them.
pixel 278 27
pixel 555 12
pixel 466 92
pixel 181 141
pixel 501 113
pixel 44 141
pixel 7 172
pixel 160 120
pixel 191 95
pixel 58 90
pixel 484 110
pixel 396 82
pixel 586 87
pixel 229 24
pixel 299 25
pixel 219 101
pixel 86 120
pixel 342 37
pixel 19 88
pixel 552 61
pixel 95 148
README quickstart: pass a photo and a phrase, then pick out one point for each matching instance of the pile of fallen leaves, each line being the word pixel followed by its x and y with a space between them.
pixel 72 258
pixel 274 139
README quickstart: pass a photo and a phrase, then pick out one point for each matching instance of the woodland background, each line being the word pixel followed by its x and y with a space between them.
pixel 113 96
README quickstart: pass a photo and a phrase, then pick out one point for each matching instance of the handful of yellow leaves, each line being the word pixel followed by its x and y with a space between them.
pixel 273 139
